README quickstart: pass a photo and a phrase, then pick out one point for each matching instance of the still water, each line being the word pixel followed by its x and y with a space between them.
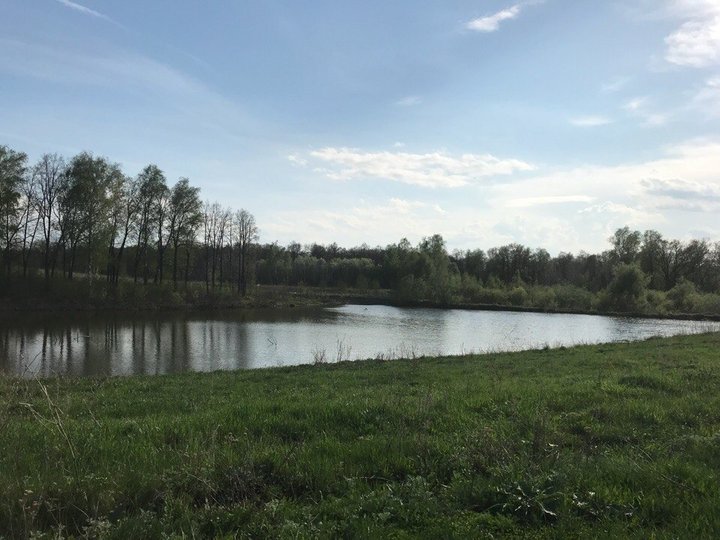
pixel 113 344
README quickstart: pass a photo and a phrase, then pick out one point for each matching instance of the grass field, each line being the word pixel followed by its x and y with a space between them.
pixel 595 441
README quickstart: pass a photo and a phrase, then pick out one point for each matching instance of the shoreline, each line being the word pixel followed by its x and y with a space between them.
pixel 327 300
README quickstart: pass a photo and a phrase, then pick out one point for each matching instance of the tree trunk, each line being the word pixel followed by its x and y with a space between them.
pixel 175 261
pixel 207 268
pixel 241 272
pixel 73 251
pixel 187 265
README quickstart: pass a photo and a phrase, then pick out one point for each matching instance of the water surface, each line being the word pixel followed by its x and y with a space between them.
pixel 156 343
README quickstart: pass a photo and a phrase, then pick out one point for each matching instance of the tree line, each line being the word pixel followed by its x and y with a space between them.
pixel 666 262
pixel 84 215
pixel 63 217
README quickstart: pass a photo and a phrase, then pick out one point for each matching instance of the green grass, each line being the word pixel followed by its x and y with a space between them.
pixel 595 441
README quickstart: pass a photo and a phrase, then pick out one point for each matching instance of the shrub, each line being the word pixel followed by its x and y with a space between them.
pixel 707 303
pixel 626 291
pixel 543 297
pixel 657 301
pixel 493 296
pixel 572 297
pixel 518 296
pixel 683 296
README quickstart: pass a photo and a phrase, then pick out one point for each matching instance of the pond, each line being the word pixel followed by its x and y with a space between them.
pixel 156 343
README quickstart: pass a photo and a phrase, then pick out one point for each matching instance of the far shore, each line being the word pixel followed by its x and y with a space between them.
pixel 277 297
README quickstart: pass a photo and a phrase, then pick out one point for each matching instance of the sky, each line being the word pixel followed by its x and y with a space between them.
pixel 548 123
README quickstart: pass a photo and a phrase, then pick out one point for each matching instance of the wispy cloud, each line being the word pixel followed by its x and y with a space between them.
pixel 639 107
pixel 126 73
pixel 297 160
pixel 635 104
pixel 527 202
pixel 87 11
pixel 629 214
pixel 615 85
pixel 590 121
pixel 434 170
pixel 409 101
pixel 362 221
pixel 491 23
pixel 73 67
pixel 707 99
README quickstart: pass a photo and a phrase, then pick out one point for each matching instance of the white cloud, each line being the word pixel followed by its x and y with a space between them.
pixel 404 206
pixel 639 107
pixel 491 23
pixel 692 8
pixel 615 85
pixel 86 11
pixel 527 202
pixel 696 42
pixel 409 101
pixel 644 194
pixel 683 194
pixel 297 160
pixel 561 209
pixel 707 99
pixel 434 170
pixel 635 104
pixel 627 214
pixel 377 222
pixel 590 121
pixel 696 161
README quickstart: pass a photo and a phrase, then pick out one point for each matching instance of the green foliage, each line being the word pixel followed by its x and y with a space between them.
pixel 12 172
pixel 657 302
pixel 626 245
pixel 683 296
pixel 573 297
pixel 626 291
pixel 605 440
pixel 707 303
pixel 518 296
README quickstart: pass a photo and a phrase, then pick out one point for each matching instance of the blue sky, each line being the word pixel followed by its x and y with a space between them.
pixel 549 123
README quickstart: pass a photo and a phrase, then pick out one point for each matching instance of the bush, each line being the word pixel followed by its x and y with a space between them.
pixel 626 291
pixel 543 298
pixel 497 297
pixel 707 303
pixel 572 297
pixel 657 302
pixel 518 296
pixel 683 296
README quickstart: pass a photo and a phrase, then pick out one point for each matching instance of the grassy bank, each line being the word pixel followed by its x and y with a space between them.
pixel 34 294
pixel 611 440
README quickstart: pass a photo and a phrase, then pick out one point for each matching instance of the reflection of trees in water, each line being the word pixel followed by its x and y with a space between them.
pixel 239 353
pixel 170 343
pixel 223 345
pixel 120 344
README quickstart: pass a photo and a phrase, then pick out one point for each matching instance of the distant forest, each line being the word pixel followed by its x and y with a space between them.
pixel 82 218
